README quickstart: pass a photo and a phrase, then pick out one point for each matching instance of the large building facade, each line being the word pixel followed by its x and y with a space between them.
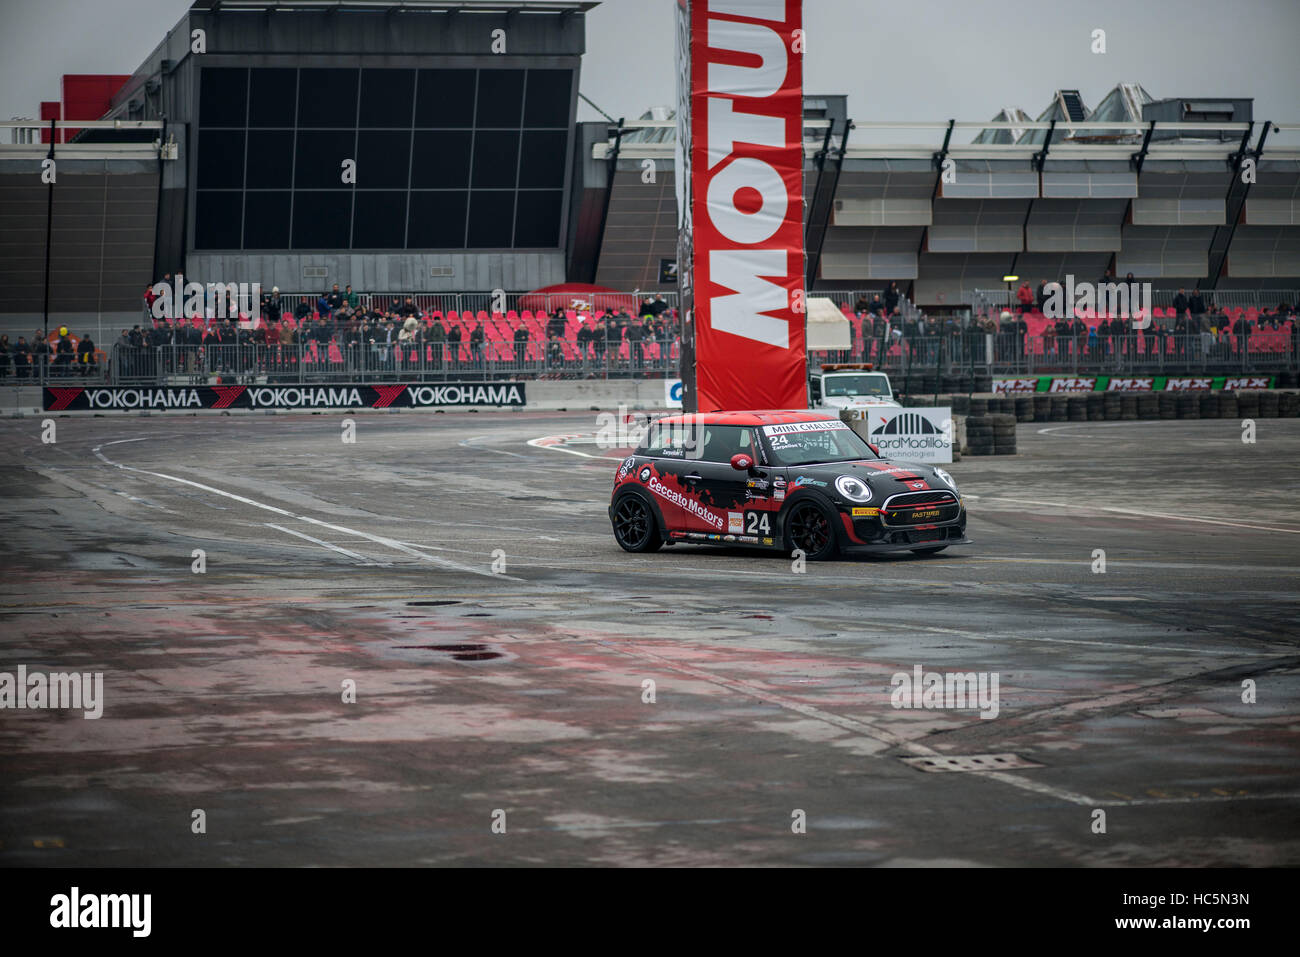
pixel 425 146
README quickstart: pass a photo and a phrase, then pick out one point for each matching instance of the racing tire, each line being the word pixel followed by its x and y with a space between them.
pixel 635 527
pixel 810 528
pixel 929 551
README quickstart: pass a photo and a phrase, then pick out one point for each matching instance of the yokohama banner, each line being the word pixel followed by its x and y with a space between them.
pixel 744 203
pixel 286 397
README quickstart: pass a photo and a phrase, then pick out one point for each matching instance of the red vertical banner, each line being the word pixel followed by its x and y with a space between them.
pixel 746 198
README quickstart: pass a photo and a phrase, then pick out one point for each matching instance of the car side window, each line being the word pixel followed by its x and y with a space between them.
pixel 721 442
pixel 676 440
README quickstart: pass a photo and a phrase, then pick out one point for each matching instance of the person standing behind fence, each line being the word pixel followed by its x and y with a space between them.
pixel 453 344
pixel 891 298
pixel 476 337
pixel 5 356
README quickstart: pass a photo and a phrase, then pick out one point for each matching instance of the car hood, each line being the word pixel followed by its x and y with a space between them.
pixel 885 476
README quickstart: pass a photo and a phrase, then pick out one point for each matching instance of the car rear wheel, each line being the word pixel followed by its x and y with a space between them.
pixel 928 551
pixel 635 528
pixel 808 528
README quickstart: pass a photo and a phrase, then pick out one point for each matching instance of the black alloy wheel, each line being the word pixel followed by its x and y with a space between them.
pixel 808 528
pixel 635 528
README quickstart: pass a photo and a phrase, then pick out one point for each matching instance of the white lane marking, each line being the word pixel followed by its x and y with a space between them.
pixel 469 444
pixel 378 539
pixel 537 443
pixel 1209 798
pixel 975 636
pixel 855 725
pixel 361 559
pixel 1143 513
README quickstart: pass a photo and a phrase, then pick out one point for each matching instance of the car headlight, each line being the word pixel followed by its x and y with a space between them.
pixel 947 478
pixel 853 488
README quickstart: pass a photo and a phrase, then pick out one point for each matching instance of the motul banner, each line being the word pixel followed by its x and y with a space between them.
pixel 287 397
pixel 745 203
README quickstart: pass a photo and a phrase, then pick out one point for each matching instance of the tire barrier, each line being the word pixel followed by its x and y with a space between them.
pixel 993 432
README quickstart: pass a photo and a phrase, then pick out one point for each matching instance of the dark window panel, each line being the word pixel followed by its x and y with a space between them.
pixel 537 219
pixel 386 98
pixel 496 159
pixel 223 96
pixel 437 221
pixel 541 162
pixel 320 156
pixel 266 220
pixel 441 159
pixel 272 96
pixel 327 97
pixel 221 159
pixel 445 98
pixel 491 219
pixel 321 220
pixel 383 159
pixel 379 220
pixel 547 103
pixel 270 159
pixel 500 97
pixel 217 220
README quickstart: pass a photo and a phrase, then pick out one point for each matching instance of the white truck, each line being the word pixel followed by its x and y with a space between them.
pixel 849 386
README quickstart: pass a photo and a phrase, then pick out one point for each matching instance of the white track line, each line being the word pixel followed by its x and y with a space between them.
pixel 377 539
pixel 854 725
pixel 1141 512
pixel 361 559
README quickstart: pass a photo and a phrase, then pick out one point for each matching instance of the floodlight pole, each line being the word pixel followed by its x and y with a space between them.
pixel 49 230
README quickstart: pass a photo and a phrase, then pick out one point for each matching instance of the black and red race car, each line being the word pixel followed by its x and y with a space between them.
pixel 779 480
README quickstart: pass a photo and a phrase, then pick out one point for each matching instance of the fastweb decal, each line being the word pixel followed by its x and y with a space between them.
pixel 689 504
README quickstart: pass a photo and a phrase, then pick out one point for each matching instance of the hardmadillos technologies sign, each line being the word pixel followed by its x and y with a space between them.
pixel 281 397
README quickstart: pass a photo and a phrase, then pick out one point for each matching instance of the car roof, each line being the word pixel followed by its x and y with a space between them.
pixel 760 417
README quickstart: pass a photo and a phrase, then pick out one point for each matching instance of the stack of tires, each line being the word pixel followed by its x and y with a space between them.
pixel 1269 405
pixel 1148 405
pixel 1042 408
pixel 1168 404
pixel 1096 406
pixel 1288 404
pixel 993 434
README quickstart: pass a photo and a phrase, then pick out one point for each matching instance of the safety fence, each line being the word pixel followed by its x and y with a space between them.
pixel 1150 351
pixel 369 362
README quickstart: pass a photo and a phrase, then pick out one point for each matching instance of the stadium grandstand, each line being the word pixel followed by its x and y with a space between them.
pixel 484 230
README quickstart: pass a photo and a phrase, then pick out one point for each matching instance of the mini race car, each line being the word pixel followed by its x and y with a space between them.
pixel 779 480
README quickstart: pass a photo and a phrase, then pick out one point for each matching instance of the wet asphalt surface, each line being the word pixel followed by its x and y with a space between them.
pixel 519 699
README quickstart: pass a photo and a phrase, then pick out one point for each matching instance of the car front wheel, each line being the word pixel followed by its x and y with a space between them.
pixel 808 528
pixel 635 528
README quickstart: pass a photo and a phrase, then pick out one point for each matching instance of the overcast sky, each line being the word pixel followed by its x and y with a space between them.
pixel 927 60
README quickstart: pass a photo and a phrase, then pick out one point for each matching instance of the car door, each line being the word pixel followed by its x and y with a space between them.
pixel 736 505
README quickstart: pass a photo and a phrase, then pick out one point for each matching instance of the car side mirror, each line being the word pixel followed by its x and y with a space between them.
pixel 742 462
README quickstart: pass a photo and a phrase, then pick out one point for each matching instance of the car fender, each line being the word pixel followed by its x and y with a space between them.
pixel 820 496
pixel 631 488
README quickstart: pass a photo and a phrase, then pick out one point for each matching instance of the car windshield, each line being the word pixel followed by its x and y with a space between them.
pixel 858 384
pixel 803 443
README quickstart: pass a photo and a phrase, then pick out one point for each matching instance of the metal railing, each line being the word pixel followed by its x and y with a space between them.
pixel 956 351
pixel 1150 351
pixel 247 363
pixel 986 300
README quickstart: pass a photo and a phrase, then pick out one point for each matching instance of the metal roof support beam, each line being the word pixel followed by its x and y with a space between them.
pixel 612 160
pixel 1140 157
